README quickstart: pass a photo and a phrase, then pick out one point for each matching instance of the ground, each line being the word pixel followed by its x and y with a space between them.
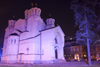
pixel 66 64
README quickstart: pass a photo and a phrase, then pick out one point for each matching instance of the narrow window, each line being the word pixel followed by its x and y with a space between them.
pixel 15 41
pixel 27 50
pixel 56 40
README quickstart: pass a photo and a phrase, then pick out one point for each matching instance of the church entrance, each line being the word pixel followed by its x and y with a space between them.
pixel 56 54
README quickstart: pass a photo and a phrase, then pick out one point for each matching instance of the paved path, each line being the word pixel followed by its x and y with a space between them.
pixel 55 64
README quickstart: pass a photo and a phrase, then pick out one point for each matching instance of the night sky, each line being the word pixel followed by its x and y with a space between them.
pixel 59 10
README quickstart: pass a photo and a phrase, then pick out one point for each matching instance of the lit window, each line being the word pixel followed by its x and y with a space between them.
pixel 76 56
pixel 71 38
pixel 84 55
pixel 15 41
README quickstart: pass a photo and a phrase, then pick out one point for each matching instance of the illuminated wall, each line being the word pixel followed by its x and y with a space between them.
pixel 31 41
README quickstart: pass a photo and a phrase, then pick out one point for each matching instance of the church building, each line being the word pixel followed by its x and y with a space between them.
pixel 30 40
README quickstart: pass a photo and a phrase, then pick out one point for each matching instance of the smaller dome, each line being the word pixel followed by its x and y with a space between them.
pixel 11 23
pixel 50 22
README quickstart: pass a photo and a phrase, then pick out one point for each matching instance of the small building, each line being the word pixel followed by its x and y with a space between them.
pixel 95 51
pixel 73 51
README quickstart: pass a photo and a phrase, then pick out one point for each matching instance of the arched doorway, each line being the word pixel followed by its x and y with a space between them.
pixel 58 47
pixel 56 54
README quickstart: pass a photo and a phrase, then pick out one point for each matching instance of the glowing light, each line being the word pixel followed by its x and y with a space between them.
pixel 76 57
pixel 71 38
pixel 84 55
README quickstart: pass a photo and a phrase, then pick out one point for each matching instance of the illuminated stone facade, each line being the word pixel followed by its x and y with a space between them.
pixel 30 40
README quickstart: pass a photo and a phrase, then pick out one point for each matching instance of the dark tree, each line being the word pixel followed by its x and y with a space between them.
pixel 85 18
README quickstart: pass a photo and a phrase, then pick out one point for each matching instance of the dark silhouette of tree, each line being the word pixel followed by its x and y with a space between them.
pixel 85 18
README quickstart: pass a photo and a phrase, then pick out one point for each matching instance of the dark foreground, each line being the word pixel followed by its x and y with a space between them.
pixel 66 64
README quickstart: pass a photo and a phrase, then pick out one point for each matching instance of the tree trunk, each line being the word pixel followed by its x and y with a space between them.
pixel 88 50
pixel 88 47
